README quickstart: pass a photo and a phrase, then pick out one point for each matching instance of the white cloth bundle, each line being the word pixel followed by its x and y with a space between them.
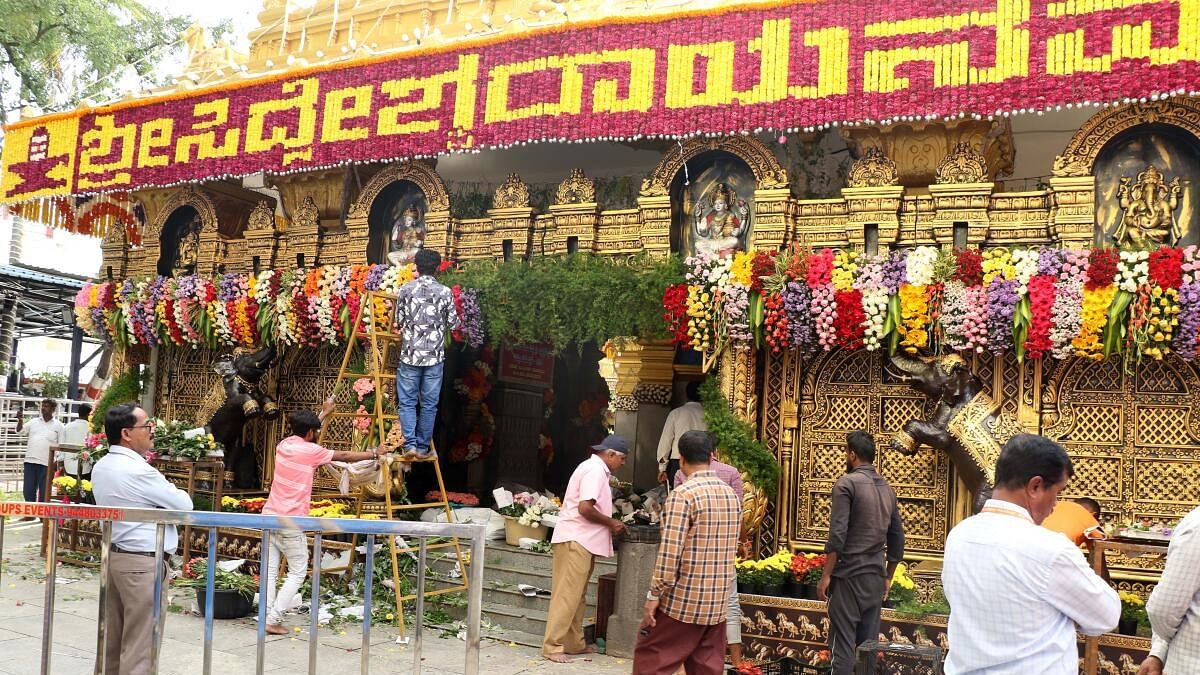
pixel 356 474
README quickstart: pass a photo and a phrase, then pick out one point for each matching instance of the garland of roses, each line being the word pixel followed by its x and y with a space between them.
pixel 1038 302
pixel 307 308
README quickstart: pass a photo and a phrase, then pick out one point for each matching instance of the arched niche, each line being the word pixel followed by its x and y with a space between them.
pixel 1172 150
pixel 712 176
pixel 364 218
pixel 396 222
pixel 185 213
pixel 756 166
pixel 1079 157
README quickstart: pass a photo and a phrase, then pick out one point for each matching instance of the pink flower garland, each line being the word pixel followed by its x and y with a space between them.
pixel 823 304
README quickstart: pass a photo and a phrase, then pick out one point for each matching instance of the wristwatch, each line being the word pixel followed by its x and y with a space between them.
pixel 651 596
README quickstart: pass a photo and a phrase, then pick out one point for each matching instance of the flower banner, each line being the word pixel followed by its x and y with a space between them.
pixel 1038 302
pixel 313 307
pixel 734 69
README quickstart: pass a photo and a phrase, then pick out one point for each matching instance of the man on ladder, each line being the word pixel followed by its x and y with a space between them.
pixel 424 312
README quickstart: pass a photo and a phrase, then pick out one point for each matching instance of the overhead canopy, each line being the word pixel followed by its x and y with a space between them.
pixel 797 64
pixel 44 300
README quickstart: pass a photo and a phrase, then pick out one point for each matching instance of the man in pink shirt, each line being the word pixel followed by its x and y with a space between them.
pixel 296 459
pixel 585 530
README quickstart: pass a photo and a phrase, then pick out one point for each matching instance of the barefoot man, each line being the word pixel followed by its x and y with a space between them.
pixel 296 459
pixel 585 530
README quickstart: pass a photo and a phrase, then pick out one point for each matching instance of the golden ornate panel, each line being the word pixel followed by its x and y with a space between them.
pixel 843 391
pixel 1132 436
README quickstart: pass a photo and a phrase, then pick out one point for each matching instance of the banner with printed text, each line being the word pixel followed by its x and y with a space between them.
pixel 741 69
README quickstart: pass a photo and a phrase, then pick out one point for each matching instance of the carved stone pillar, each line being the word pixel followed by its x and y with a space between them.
pixel 114 253
pixel 575 214
pixel 640 377
pixel 303 235
pixel 512 219
pixel 1073 210
pixel 961 195
pixel 211 256
pixel 320 197
pixel 770 218
pixel 873 197
pixel 260 239
pixel 656 222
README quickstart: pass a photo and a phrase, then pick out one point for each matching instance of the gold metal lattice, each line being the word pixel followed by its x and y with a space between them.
pixel 1159 425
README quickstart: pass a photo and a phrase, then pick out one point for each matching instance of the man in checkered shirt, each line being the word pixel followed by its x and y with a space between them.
pixel 684 618
pixel 1174 606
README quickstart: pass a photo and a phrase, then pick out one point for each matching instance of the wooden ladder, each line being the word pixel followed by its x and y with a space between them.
pixel 372 334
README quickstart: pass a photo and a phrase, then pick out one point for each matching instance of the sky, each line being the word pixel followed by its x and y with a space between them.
pixel 54 249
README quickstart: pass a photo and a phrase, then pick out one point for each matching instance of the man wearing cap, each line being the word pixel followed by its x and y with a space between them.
pixel 585 530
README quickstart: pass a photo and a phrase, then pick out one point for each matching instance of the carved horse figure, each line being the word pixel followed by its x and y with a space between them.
pixel 243 400
pixel 761 621
pixel 966 423
pixel 809 629
pixel 786 627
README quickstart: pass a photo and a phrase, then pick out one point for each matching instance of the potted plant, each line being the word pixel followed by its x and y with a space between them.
pixel 73 491
pixel 812 576
pixel 232 592
pixel 523 518
pixel 798 586
pixel 1133 612
pixel 775 571
pixel 903 587
pixel 747 576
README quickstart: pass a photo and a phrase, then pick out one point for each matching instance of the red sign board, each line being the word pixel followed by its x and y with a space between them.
pixel 528 364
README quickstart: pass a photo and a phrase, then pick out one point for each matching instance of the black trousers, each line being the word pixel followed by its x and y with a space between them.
pixel 672 469
pixel 854 605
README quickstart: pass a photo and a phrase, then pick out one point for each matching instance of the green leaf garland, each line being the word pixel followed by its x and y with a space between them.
pixel 735 440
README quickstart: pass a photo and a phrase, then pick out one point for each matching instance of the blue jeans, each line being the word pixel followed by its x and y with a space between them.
pixel 35 482
pixel 427 382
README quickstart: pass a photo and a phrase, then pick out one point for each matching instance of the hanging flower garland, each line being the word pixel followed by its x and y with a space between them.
pixel 1188 332
pixel 1098 292
pixel 870 284
pixel 823 305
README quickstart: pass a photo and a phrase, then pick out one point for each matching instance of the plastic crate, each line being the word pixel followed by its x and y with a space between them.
pixel 897 659
pixel 787 666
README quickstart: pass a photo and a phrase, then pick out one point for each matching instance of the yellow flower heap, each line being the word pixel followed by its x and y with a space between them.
pixel 845 267
pixel 997 262
pixel 742 270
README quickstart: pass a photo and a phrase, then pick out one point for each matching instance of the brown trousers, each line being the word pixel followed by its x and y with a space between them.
pixel 568 595
pixel 661 650
pixel 129 614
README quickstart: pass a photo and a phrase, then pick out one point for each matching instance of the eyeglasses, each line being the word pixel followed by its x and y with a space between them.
pixel 147 425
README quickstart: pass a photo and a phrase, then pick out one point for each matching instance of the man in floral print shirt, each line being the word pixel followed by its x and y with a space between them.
pixel 424 312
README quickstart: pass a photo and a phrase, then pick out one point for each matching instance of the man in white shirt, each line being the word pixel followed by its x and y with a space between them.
pixel 1174 606
pixel 1017 591
pixel 685 418
pixel 124 478
pixel 76 433
pixel 42 432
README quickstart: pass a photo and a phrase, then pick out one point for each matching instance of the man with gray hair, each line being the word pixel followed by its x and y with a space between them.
pixel 585 530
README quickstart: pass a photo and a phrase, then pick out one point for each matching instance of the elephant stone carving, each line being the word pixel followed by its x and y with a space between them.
pixel 243 400
pixel 966 423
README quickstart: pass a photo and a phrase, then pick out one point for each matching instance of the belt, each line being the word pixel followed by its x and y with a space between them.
pixel 118 549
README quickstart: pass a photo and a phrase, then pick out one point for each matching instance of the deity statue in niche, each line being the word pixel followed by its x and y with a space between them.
pixel 721 218
pixel 1148 210
pixel 188 252
pixel 407 237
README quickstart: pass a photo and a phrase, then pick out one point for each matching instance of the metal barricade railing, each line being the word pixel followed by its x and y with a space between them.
pixel 421 531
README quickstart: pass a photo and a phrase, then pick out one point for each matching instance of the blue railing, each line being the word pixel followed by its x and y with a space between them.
pixel 421 531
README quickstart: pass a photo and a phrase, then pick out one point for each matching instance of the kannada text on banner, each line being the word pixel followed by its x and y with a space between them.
pixel 775 66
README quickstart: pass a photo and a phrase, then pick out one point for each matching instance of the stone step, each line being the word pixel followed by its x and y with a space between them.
pixel 500 553
pixel 507 594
